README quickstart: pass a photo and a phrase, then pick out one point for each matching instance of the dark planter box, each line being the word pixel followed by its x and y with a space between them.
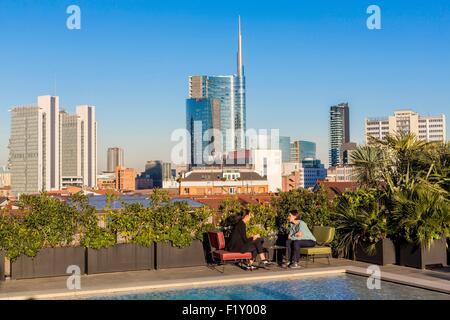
pixel 49 262
pixel 384 253
pixel 420 256
pixel 2 266
pixel 168 256
pixel 121 257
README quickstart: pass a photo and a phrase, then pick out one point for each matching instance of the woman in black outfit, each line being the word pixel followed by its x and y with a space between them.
pixel 240 243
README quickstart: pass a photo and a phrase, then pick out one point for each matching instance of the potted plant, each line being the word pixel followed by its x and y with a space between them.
pixel 179 232
pixel 113 244
pixel 361 228
pixel 41 241
pixel 421 221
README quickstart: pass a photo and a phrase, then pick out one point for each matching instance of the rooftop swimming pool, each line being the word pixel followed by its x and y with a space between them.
pixel 335 287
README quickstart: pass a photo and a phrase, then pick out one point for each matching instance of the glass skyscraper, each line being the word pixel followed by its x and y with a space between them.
pixel 339 132
pixel 202 116
pixel 285 147
pixel 229 90
pixel 301 150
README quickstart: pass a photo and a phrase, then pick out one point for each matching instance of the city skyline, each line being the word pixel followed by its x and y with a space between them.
pixel 288 88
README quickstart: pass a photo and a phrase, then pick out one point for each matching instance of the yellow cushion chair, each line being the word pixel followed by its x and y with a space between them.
pixel 324 236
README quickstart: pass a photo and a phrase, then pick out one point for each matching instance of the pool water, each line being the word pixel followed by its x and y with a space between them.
pixel 341 287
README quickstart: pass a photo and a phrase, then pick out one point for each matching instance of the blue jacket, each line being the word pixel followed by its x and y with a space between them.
pixel 295 228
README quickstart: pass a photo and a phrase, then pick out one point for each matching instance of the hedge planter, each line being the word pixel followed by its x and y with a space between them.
pixel 48 262
pixel 420 256
pixel 168 256
pixel 121 257
pixel 384 253
pixel 2 266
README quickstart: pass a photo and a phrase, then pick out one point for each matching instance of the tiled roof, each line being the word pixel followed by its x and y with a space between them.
pixel 217 176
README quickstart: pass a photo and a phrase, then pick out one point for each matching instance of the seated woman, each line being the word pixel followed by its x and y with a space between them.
pixel 239 242
pixel 299 236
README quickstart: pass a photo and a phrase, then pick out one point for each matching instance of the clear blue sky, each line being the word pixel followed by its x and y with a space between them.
pixel 132 60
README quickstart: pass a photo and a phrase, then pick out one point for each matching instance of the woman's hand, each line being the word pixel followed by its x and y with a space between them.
pixel 299 234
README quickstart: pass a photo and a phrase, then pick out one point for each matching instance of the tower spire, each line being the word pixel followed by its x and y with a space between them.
pixel 240 67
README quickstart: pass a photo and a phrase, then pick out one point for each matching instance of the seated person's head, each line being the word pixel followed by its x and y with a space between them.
pixel 293 215
pixel 246 215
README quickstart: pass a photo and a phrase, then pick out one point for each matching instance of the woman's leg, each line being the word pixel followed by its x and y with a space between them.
pixel 288 250
pixel 297 246
pixel 306 243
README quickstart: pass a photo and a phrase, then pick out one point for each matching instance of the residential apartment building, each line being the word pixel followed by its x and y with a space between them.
pixel 339 131
pixel 344 173
pixel 427 128
pixel 125 179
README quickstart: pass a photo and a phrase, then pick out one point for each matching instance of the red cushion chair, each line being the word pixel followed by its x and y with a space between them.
pixel 218 252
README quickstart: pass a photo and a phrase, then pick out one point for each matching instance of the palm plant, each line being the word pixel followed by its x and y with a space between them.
pixel 368 163
pixel 360 218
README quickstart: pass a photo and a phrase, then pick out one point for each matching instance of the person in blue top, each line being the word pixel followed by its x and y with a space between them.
pixel 299 236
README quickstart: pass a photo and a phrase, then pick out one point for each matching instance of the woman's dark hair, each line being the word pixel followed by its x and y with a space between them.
pixel 295 213
pixel 245 213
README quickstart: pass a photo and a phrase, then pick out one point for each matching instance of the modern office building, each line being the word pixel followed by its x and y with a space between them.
pixel 34 146
pixel 427 128
pixel 50 149
pixel 202 123
pixel 311 171
pixel 230 91
pixel 79 147
pixel 339 131
pixel 301 150
pixel 285 147
pixel 115 159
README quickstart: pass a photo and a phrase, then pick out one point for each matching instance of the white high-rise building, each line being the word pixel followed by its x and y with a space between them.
pixel 428 128
pixel 79 147
pixel 88 144
pixel 50 149
pixel 34 146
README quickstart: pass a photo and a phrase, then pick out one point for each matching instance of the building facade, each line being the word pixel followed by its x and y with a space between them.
pixel 285 147
pixel 311 171
pixel 301 150
pixel 427 128
pixel 5 177
pixel 125 179
pixel 345 173
pixel 223 182
pixel 339 131
pixel 202 123
pixel 34 146
pixel 115 158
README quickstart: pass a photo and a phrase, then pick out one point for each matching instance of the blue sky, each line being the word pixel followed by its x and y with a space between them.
pixel 132 60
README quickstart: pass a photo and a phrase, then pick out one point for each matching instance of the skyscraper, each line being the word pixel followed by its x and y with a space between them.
pixel 230 91
pixel 34 146
pixel 339 132
pixel 79 147
pixel 202 121
pixel 285 147
pixel 115 159
pixel 50 149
